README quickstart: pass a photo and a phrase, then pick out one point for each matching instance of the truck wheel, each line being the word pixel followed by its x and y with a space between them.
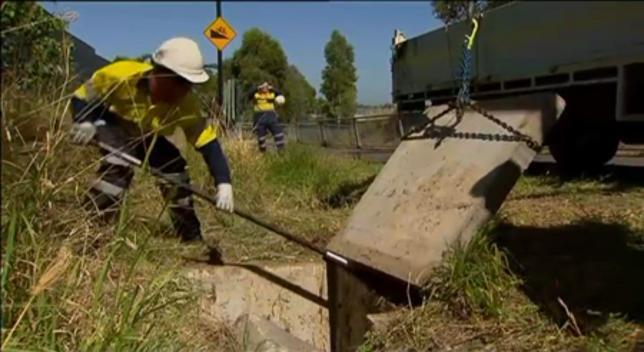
pixel 583 147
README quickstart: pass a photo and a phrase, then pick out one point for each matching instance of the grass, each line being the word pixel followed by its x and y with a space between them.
pixel 291 191
pixel 71 282
pixel 558 269
pixel 555 271
pixel 64 286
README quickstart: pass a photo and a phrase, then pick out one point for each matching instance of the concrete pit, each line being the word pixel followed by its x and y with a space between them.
pixel 286 307
pixel 279 307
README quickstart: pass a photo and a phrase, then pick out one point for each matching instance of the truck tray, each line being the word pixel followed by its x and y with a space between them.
pixel 430 195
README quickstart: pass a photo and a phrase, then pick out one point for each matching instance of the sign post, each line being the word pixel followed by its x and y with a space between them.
pixel 220 34
pixel 220 70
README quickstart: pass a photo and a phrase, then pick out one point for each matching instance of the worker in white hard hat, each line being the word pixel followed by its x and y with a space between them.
pixel 133 106
pixel 265 118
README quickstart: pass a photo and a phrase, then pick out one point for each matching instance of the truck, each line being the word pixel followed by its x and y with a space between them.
pixel 590 53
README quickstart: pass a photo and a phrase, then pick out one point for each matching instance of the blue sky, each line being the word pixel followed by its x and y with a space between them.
pixel 302 28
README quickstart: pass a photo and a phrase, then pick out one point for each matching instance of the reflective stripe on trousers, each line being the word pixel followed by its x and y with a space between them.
pixel 114 176
pixel 279 139
pixel 178 177
pixel 108 188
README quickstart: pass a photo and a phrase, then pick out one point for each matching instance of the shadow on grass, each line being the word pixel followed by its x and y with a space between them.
pixel 595 268
pixel 348 193
pixel 622 177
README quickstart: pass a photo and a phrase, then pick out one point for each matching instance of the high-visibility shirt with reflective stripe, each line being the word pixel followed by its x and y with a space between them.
pixel 117 86
pixel 264 101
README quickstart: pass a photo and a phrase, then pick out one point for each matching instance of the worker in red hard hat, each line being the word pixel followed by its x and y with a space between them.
pixel 265 118
pixel 133 106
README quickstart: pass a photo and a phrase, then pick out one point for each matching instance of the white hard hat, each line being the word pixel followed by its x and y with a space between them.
pixel 182 56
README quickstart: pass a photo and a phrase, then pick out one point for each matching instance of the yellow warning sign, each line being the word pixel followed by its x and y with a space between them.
pixel 220 33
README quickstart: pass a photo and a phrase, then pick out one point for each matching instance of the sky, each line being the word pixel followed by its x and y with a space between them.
pixel 302 28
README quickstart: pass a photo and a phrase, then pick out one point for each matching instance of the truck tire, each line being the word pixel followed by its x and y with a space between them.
pixel 582 147
pixel 586 135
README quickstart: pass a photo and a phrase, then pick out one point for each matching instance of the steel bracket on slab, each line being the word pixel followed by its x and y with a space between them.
pixel 354 291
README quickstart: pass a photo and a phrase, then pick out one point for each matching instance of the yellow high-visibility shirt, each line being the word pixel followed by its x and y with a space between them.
pixel 264 101
pixel 117 86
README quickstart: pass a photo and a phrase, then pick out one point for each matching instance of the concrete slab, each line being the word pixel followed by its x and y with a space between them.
pixel 292 297
pixel 428 196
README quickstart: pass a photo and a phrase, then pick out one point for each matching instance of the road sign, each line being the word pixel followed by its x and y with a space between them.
pixel 220 33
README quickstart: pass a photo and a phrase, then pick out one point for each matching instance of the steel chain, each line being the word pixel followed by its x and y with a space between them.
pixel 463 101
pixel 514 136
pixel 424 125
pixel 518 135
pixel 463 97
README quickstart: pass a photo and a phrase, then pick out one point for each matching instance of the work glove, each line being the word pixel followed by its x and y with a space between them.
pixel 83 132
pixel 225 197
pixel 280 99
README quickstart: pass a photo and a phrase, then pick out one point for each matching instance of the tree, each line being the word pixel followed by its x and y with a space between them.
pixel 339 77
pixel 34 42
pixel 319 107
pixel 300 95
pixel 455 10
pixel 260 58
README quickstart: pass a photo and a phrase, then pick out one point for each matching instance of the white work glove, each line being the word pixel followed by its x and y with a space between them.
pixel 280 99
pixel 225 197
pixel 83 132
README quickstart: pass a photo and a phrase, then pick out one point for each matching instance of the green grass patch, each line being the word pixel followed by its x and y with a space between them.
pixel 290 190
pixel 474 279
pixel 310 173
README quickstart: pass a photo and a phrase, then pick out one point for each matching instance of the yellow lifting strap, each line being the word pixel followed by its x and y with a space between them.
pixel 470 38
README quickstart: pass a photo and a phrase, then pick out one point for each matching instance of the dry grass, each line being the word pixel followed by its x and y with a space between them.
pixel 72 282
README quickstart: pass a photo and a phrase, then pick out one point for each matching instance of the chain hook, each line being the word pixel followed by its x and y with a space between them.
pixel 470 37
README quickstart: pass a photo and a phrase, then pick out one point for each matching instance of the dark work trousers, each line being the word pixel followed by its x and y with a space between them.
pixel 264 121
pixel 115 175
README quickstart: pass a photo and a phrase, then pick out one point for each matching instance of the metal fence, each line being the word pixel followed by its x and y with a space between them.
pixel 378 131
pixel 373 132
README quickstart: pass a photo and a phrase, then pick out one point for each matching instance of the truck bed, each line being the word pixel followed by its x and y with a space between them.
pixel 520 41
